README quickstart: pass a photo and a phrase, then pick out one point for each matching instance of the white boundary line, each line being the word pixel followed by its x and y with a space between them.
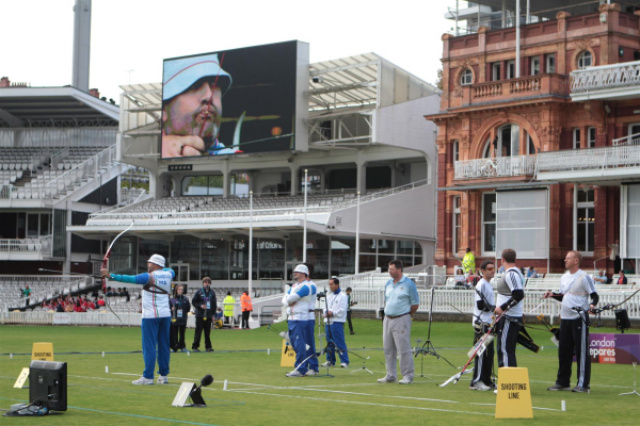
pixel 404 407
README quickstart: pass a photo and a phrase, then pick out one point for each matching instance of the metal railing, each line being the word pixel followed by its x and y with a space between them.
pixel 40 245
pixel 521 165
pixel 234 216
pixel 445 301
pixel 627 140
pixel 589 158
pixel 68 181
pixel 626 74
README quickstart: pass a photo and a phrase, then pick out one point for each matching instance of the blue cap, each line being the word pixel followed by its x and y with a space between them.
pixel 180 74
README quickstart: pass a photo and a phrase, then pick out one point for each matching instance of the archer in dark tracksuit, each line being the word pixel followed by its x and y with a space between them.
pixel 180 308
pixel 204 303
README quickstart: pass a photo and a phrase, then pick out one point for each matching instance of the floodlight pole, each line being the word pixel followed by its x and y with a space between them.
pixel 357 261
pixel 304 234
pixel 250 239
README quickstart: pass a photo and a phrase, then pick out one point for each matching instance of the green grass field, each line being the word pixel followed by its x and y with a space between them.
pixel 258 392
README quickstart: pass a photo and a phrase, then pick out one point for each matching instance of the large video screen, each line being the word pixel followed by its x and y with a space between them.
pixel 233 101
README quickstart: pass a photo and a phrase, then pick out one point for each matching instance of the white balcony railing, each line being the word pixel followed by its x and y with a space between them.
pixel 40 245
pixel 521 165
pixel 604 77
pixel 589 158
pixel 627 140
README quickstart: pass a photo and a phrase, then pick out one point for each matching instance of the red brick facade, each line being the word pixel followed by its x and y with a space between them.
pixel 541 107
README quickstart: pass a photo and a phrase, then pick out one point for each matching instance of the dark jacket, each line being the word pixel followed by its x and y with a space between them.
pixel 200 298
pixel 181 303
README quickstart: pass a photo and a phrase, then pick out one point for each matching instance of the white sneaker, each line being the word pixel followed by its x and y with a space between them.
pixel 327 364
pixel 386 380
pixel 312 373
pixel 405 381
pixel 294 373
pixel 480 387
pixel 143 381
pixel 344 365
pixel 163 380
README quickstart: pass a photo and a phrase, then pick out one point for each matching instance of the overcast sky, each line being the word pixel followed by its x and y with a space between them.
pixel 130 38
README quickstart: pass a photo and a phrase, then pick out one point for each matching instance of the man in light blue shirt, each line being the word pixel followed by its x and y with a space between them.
pixel 401 302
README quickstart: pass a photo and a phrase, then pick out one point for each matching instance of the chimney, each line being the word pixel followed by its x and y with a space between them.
pixel 4 82
pixel 81 44
pixel 95 93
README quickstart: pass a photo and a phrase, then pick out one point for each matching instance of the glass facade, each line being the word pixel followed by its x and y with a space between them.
pixel 228 258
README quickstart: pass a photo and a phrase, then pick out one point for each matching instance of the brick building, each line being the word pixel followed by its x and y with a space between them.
pixel 539 135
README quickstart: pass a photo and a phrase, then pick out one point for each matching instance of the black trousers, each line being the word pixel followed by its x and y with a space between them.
pixel 245 319
pixel 177 337
pixel 202 325
pixel 574 340
pixel 484 362
pixel 507 339
pixel 349 321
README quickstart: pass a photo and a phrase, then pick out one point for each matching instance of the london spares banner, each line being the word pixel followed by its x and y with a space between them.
pixel 609 348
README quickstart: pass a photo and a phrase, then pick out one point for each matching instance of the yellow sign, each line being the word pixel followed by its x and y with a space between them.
pixel 288 357
pixel 514 394
pixel 24 375
pixel 42 352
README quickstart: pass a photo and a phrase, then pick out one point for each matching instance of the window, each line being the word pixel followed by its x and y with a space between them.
pixel 495 71
pixel 508 144
pixel 585 59
pixel 456 151
pixel 511 69
pixel 487 153
pixel 489 223
pixel 535 65
pixel 591 141
pixel 585 221
pixel 531 148
pixel 576 139
pixel 550 60
pixel 457 225
pixel 634 129
pixel 466 77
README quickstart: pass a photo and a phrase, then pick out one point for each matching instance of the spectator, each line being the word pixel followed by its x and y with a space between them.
pixel 218 318
pixel 125 293
pixel 532 273
pixel 459 278
pixel 204 302
pixel 601 278
pixel 26 292
pixel 622 279
pixel 350 303
pixel 101 302
pixel 228 303
pixel 469 262
pixel 247 307
pixel 180 308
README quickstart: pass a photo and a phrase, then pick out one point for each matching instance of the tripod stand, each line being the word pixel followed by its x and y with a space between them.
pixel 320 322
pixel 364 362
pixel 635 391
pixel 427 348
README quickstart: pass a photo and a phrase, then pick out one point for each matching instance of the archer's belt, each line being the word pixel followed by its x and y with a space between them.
pixel 396 316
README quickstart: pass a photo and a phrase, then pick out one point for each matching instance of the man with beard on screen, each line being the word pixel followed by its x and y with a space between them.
pixel 192 106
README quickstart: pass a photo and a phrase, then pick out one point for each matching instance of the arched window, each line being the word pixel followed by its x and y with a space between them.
pixel 466 77
pixel 585 59
pixel 505 144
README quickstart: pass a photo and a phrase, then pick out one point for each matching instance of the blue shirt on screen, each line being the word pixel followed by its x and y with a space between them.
pixel 400 296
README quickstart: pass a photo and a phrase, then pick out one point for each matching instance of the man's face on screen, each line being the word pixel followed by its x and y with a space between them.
pixel 196 111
